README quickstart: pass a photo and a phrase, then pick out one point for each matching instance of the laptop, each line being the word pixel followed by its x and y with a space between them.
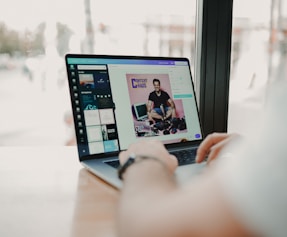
pixel 109 96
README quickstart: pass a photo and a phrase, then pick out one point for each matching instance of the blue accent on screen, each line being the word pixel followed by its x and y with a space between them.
pixel 111 145
pixel 183 96
pixel 197 135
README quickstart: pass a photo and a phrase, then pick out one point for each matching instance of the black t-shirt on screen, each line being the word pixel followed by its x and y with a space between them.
pixel 158 100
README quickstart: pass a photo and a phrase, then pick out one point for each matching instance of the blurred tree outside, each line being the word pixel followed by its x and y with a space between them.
pixel 31 43
pixel 35 46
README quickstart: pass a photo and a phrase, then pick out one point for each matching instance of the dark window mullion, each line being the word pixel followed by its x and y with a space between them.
pixel 223 65
pixel 216 26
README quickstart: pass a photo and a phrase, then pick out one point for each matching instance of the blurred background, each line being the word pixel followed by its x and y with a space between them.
pixel 35 36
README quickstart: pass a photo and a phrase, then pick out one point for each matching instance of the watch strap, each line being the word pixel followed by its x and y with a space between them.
pixel 122 168
pixel 131 160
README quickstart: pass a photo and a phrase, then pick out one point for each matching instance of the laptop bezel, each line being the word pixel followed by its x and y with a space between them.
pixel 101 56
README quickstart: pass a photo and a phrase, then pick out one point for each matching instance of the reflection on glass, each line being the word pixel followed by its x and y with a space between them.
pixel 36 35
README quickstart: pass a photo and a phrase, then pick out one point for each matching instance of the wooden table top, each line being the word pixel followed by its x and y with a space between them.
pixel 44 191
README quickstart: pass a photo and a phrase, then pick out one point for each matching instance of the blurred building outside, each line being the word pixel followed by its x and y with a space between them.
pixel 34 94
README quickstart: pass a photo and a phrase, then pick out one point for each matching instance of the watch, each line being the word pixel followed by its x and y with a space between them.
pixel 131 160
pixel 122 168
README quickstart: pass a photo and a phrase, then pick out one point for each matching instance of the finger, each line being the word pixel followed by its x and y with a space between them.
pixel 204 148
pixel 216 149
pixel 214 152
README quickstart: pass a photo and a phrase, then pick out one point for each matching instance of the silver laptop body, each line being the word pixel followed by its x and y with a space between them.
pixel 109 96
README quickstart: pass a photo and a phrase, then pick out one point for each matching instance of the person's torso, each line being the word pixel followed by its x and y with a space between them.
pixel 159 99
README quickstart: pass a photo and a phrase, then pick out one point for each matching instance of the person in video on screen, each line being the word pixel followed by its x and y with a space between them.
pixel 160 106
pixel 242 190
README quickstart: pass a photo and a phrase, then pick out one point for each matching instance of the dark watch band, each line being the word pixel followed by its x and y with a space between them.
pixel 132 159
pixel 122 168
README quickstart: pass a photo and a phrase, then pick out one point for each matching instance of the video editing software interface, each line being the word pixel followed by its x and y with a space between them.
pixel 110 96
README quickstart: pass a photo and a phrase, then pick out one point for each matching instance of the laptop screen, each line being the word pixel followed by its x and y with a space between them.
pixel 117 100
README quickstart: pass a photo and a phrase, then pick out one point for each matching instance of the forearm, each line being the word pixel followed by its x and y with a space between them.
pixel 146 183
pixel 176 212
pixel 149 106
pixel 152 204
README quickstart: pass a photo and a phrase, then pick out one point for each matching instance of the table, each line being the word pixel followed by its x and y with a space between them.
pixel 44 191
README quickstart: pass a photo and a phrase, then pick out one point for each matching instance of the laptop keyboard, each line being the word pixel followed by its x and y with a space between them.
pixel 114 163
pixel 186 156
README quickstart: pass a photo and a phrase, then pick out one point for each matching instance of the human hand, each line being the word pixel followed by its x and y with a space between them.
pixel 153 149
pixel 212 145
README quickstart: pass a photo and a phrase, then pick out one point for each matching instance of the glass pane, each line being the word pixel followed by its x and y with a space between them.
pixel 35 36
pixel 258 57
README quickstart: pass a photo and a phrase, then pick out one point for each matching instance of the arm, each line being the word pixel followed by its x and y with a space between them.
pixel 172 105
pixel 152 204
pixel 149 108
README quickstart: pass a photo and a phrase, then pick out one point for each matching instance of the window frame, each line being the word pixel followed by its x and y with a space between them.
pixel 212 71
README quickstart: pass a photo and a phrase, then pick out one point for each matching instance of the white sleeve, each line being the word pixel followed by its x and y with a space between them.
pixel 254 180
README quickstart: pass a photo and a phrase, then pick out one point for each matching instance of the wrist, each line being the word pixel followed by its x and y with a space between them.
pixel 134 159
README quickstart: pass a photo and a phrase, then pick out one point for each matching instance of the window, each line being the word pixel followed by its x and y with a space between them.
pixel 35 36
pixel 258 57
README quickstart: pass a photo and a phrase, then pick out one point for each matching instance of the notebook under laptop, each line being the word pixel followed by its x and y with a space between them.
pixel 109 96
